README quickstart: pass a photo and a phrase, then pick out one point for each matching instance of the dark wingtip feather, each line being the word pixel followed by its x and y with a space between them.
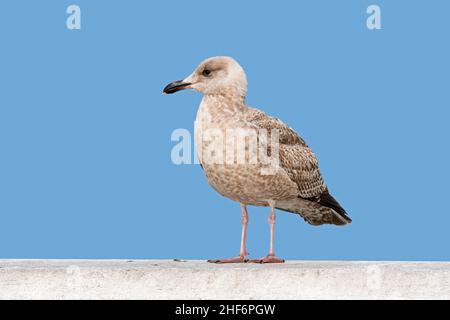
pixel 327 200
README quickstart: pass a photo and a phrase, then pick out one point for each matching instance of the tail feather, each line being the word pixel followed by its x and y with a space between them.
pixel 327 200
pixel 323 209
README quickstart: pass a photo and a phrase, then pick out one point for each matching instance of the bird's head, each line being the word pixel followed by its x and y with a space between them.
pixel 214 76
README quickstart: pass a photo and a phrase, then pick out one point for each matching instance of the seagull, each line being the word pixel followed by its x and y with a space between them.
pixel 292 181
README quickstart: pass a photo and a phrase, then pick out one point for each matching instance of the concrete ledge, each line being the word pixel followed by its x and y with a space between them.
pixel 164 279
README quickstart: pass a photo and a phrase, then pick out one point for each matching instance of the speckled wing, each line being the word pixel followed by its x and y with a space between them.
pixel 302 167
pixel 296 158
pixel 263 121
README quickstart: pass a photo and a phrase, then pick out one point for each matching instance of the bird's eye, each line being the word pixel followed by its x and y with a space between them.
pixel 206 72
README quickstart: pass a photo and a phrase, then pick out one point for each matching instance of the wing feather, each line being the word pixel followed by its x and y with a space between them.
pixel 296 158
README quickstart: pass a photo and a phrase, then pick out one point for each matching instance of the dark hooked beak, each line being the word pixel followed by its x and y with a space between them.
pixel 176 86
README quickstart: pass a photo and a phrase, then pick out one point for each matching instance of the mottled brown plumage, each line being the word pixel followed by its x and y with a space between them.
pixel 295 183
pixel 302 167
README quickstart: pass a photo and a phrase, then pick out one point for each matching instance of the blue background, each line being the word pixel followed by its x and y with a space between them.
pixel 85 168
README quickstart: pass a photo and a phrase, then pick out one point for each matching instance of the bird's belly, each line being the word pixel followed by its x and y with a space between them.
pixel 247 184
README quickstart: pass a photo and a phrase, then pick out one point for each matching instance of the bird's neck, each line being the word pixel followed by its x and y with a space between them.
pixel 218 110
pixel 229 103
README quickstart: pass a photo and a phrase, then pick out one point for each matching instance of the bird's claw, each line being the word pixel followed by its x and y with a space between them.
pixel 267 259
pixel 238 259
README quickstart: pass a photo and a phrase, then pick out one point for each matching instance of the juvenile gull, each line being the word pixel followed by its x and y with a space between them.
pixel 295 185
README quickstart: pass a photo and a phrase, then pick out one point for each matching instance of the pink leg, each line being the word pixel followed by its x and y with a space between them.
pixel 243 250
pixel 270 258
pixel 243 254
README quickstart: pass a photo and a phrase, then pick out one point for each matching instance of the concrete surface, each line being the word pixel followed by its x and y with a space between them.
pixel 166 279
